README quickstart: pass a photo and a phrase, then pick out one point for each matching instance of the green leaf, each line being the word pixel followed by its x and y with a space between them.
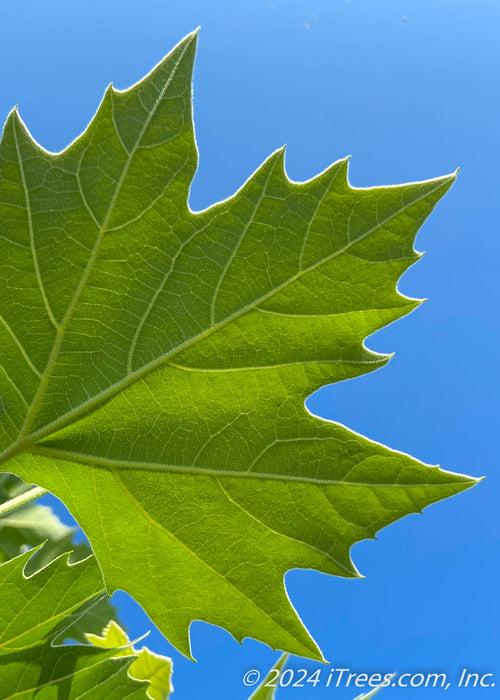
pixel 155 360
pixel 31 525
pixel 33 607
pixel 147 666
pixel 264 692
pixel 91 619
pixel 33 614
pixel 46 673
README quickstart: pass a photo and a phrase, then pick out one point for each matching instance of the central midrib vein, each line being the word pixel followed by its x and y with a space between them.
pixel 25 441
pixel 113 464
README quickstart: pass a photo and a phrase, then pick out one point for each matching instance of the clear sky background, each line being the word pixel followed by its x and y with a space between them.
pixel 409 88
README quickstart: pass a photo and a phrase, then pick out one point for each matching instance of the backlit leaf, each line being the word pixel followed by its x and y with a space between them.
pixel 155 360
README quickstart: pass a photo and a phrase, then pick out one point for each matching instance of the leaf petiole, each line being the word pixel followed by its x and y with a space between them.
pixel 21 500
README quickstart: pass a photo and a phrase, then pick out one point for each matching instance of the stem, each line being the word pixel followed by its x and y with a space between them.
pixel 21 500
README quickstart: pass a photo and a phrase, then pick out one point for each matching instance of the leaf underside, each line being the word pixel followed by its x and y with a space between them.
pixel 155 360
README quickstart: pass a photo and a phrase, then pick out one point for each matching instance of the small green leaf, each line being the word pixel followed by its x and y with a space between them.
pixel 264 692
pixel 147 666
pixel 112 637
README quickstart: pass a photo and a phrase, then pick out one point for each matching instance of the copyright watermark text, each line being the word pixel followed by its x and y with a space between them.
pixel 346 678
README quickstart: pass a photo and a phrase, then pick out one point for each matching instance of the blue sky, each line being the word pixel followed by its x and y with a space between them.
pixel 409 88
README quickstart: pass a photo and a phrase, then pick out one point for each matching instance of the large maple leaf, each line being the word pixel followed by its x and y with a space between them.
pixel 155 360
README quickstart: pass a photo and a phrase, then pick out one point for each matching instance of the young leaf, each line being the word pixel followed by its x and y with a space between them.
pixel 34 611
pixel 155 360
pixel 147 666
